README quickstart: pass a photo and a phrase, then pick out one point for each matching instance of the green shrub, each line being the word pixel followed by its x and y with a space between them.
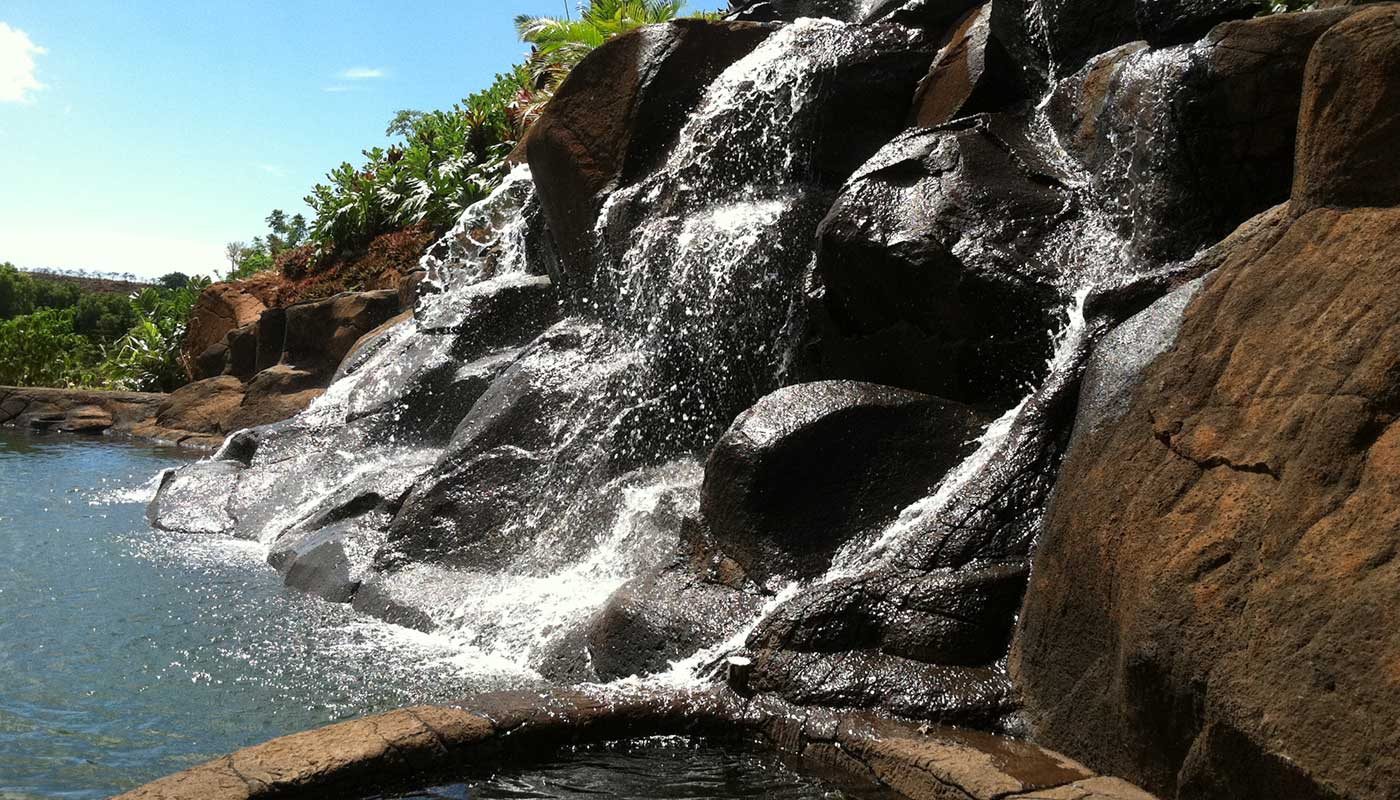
pixel 42 349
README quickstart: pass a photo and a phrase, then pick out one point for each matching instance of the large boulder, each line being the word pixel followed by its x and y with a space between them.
pixel 219 309
pixel 320 333
pixel 1211 610
pixel 942 263
pixel 1183 144
pixel 1350 123
pixel 812 467
pixel 972 73
pixel 616 115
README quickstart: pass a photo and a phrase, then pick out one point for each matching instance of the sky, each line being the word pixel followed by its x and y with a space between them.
pixel 142 136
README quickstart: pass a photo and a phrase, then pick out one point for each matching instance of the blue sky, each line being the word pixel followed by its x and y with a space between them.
pixel 141 136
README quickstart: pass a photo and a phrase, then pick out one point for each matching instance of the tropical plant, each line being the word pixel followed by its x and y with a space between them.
pixel 42 349
pixel 560 44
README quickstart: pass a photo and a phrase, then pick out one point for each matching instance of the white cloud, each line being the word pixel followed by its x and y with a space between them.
pixel 110 251
pixel 361 73
pixel 17 53
pixel 337 89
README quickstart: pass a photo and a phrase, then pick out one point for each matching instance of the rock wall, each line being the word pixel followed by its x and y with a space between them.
pixel 1212 610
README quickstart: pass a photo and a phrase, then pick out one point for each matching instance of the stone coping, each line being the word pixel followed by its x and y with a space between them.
pixel 95 412
pixel 420 744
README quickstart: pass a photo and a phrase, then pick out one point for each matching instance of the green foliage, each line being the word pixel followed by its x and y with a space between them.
pixel 174 280
pixel 446 161
pixel 21 293
pixel 63 336
pixel 147 358
pixel 284 234
pixel 104 318
pixel 42 349
pixel 560 44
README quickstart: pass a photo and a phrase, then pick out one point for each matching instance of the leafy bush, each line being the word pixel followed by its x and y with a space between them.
pixel 42 349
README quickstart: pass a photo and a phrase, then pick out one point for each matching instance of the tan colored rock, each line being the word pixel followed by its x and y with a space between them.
pixel 970 74
pixel 87 419
pixel 1099 788
pixel 202 407
pixel 1349 128
pixel 220 308
pixel 1212 610
pixel 275 394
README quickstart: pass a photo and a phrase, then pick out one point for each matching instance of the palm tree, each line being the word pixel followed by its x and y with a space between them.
pixel 560 44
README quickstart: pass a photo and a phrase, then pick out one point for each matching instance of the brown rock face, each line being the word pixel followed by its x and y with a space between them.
pixel 1349 127
pixel 1212 610
pixel 618 112
pixel 220 308
pixel 972 73
pixel 319 334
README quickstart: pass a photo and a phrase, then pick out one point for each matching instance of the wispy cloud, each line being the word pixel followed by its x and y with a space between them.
pixel 337 88
pixel 17 54
pixel 362 73
pixel 272 169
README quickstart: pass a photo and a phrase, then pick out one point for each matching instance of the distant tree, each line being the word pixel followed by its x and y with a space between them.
pixel 284 233
pixel 404 123
pixel 174 280
pixel 104 318
pixel 233 251
pixel 16 292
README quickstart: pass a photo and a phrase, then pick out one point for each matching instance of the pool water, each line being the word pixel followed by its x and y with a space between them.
pixel 128 653
pixel 669 770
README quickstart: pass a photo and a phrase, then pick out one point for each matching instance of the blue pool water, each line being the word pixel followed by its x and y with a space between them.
pixel 128 653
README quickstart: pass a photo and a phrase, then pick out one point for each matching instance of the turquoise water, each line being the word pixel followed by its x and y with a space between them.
pixel 127 653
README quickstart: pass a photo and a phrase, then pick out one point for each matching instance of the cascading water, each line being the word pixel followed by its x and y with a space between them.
pixel 498 488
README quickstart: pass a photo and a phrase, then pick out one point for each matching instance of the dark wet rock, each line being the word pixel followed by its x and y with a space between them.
pixel 1183 144
pixel 192 499
pixel 1049 39
pixel 1167 22
pixel 972 74
pixel 664 617
pixel 959 617
pixel 812 467
pixel 941 264
pixel 212 361
pixel 470 508
pixel 320 333
pixel 1175 617
pixel 936 16
pixel 790 10
pixel 272 336
pixel 615 117
pixel 975 696
pixel 330 561
pixel 1350 123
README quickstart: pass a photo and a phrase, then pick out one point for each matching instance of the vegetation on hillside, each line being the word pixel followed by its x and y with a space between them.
pixel 54 333
pixel 440 162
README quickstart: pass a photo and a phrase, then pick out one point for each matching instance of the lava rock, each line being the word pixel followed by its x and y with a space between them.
pixel 275 394
pixel 191 499
pixel 320 333
pixel 935 16
pixel 1167 22
pixel 219 309
pixel 971 74
pixel 790 10
pixel 1181 145
pixel 941 261
pixel 812 467
pixel 614 118
pixel 664 617
pixel 1226 544
pixel 242 344
pixel 272 338
pixel 202 407
pixel 1350 122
